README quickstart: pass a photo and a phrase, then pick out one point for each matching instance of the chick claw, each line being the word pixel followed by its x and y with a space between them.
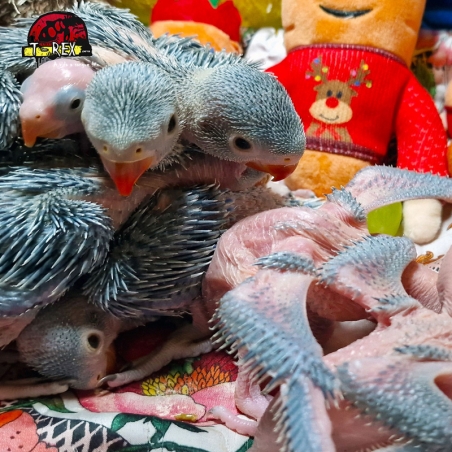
pixel 187 342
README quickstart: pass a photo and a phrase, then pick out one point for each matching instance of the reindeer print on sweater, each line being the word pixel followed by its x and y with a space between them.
pixel 332 106
pixel 354 99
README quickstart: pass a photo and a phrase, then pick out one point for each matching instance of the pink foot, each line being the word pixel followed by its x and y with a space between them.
pixel 187 342
pixel 232 421
pixel 248 396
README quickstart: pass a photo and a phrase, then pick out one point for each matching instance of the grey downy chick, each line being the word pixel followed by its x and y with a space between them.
pixel 131 115
pixel 234 111
pixel 50 235
pixel 70 340
pixel 159 256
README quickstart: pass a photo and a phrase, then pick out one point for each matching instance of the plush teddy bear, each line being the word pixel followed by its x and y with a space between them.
pixel 347 72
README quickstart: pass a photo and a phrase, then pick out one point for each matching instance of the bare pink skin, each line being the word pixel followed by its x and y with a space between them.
pixel 412 325
pixel 238 424
pixel 420 282
pixel 444 286
pixel 330 228
pixel 272 231
pixel 320 234
pixel 354 432
pixel 53 98
pixel 291 287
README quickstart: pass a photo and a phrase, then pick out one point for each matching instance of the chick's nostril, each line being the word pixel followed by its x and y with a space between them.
pixel 332 102
pixel 38 116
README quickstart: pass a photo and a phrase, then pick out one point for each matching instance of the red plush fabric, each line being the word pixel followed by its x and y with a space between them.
pixel 226 17
pixel 354 99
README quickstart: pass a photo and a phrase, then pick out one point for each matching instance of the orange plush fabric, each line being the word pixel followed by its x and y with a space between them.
pixel 347 73
pixel 388 24
pixel 205 33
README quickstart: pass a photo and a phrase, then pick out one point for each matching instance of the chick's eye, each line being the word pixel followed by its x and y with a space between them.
pixel 94 341
pixel 68 101
pixel 75 104
pixel 171 124
pixel 241 143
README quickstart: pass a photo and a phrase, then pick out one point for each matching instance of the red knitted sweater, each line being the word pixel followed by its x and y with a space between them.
pixel 354 99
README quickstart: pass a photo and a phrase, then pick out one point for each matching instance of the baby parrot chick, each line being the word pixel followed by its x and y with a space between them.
pixel 235 112
pixel 53 100
pixel 70 340
pixel 131 115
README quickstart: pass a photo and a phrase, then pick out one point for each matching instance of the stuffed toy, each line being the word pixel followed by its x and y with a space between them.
pixel 347 72
pixel 448 108
pixel 219 27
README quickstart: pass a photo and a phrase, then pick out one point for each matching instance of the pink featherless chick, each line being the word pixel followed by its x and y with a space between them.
pixel 53 98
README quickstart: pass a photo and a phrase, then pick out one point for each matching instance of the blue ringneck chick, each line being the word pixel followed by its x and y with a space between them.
pixel 235 112
pixel 70 341
pixel 131 115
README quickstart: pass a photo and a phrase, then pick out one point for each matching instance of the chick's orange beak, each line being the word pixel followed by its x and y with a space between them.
pixel 29 133
pixel 36 127
pixel 125 174
pixel 279 172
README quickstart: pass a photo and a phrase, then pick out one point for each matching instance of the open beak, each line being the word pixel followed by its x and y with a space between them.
pixel 125 174
pixel 279 172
